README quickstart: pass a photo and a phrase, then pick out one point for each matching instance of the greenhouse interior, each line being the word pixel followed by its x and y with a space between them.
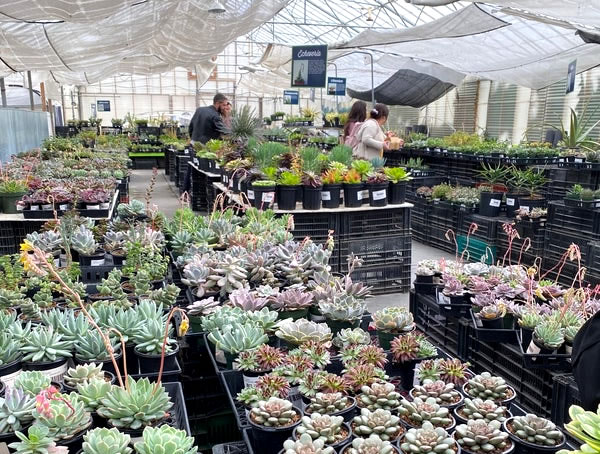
pixel 299 227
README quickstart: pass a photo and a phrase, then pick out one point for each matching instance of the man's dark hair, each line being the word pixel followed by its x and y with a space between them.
pixel 219 97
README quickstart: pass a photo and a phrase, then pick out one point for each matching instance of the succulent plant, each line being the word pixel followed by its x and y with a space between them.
pixel 584 426
pixel 428 439
pixel 165 297
pixel 70 325
pixel 426 349
pixel 250 396
pixel 236 337
pixel 228 275
pixel 301 331
pixel 483 409
pixel 379 422
pixel 491 312
pixel 481 436
pixel 394 320
pixel 274 412
pixel 343 308
pixel 306 445
pixel 36 441
pixel 536 430
pixel 202 307
pixel 421 410
pixel 371 354
pixel 83 241
pixel 247 300
pixel 549 334
pixel 137 406
pixel 379 395
pixel 16 410
pixel 106 441
pixel 371 445
pixel 404 348
pixel 9 298
pixel 127 322
pixel 9 348
pixel 351 336
pixel 323 427
pixel 453 371
pixel 486 386
pixel 263 318
pixel 45 344
pixel 443 393
pixel 83 374
pixel 359 375
pixel 317 353
pixel 91 347
pixel 292 299
pixel 328 403
pixel 64 415
pixel 30 310
pixel 92 392
pixel 271 385
pixel 333 383
pixel 149 339
pixel 31 382
pixel 165 439
pixel 263 358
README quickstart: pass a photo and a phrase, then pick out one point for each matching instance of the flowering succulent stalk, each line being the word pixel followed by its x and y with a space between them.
pixel 64 415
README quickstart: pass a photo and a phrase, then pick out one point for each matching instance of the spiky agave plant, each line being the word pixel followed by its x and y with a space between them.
pixel 244 123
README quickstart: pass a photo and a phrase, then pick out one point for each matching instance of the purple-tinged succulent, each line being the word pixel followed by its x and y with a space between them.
pixel 478 285
pixel 483 299
pixel 508 291
pixel 452 286
pixel 245 299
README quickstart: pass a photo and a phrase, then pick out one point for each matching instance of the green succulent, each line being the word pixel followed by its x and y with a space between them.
pixel 550 334
pixel 165 440
pixel 30 310
pixel 263 318
pixel 371 445
pixel 149 338
pixel 485 386
pixel 148 310
pixel 428 439
pixel 106 441
pixel 273 412
pixel 16 410
pixel 394 320
pixel 379 422
pixel 9 349
pixel 483 409
pixel 137 406
pixel 379 395
pixel 9 298
pixel 328 403
pixel 351 336
pixel 530 319
pixel 72 326
pixel 536 430
pixel 443 393
pixel 36 442
pixel 166 297
pixel 83 374
pixel 126 322
pixel 584 425
pixel 83 241
pixel 305 444
pixel 420 410
pixel 238 337
pixel 92 392
pixel 91 347
pixel 323 427
pixel 481 436
pixel 65 417
pixel 301 331
pixel 343 308
pixel 32 382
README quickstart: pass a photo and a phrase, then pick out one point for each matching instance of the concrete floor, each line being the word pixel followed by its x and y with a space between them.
pixel 166 197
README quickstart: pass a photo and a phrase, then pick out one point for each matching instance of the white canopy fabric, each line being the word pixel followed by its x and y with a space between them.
pixel 86 41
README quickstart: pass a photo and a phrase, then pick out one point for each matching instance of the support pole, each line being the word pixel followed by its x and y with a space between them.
pixel 372 72
pixel 62 100
pixel 30 90
pixel 3 92
pixel 43 96
pixel 337 103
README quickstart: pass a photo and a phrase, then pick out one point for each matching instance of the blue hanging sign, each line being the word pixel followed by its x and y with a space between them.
pixel 309 66
pixel 103 106
pixel 571 74
pixel 291 97
pixel 336 86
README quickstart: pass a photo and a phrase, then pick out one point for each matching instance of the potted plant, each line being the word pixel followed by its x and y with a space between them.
pixel 11 191
pixel 527 321
pixel 197 310
pixel 579 197
pixel 534 434
pixel 486 386
pixel 116 123
pixel 379 395
pixel 353 189
pixel 444 393
pixel 16 412
pixel 332 430
pixel 548 336
pixel 397 176
pixel 103 440
pixel 312 187
pixel 406 351
pixel 84 373
pixel 272 422
pixel 332 403
pixel 236 337
pixel 379 422
pixel 532 181
pixel 95 199
pixel 482 436
pixel 45 350
pixel 474 409
pixel 454 289
pixel 516 184
pixel 415 413
pixel 292 303
pixel 391 322
pixel 149 347
pixel 371 445
pixel 453 370
pixel 91 347
pixel 378 183
pixel 342 311
pixel 88 250
pixel 427 439
pixel 287 185
pixel 492 316
pixel 297 332
pixel 258 362
pixel 163 439
pixel 36 441
pixel 264 194
pixel 141 123
pixel 332 187
pixel 492 190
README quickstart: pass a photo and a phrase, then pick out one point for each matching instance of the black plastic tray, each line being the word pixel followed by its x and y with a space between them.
pixel 492 335
pixel 555 361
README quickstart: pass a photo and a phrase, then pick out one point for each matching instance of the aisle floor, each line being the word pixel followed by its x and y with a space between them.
pixel 166 197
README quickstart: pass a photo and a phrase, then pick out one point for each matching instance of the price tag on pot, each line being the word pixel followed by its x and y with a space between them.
pixel 578 159
pixel 510 202
pixel 325 195
pixel 230 185
pixel 4 448
pixel 196 162
pixel 268 197
pixel 64 206
pixel 57 373
pixel 525 208
pixel 442 299
pixel 359 195
pixel 97 262
pixel 495 203
pixel 250 194
pixel 365 195
pixel 379 195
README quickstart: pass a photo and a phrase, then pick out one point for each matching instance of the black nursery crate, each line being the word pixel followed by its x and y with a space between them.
pixel 388 221
pixel 233 383
pixel 238 447
pixel 94 274
pixel 560 362
pixel 487 227
pixel 570 220
pixel 214 429
pixel 180 169
pixel 204 395
pixel 178 411
pixel 315 225
pixel 384 279
pixel 593 258
pixel 376 251
pixel 149 130
pixel 9 244
pixel 492 335
pixel 564 394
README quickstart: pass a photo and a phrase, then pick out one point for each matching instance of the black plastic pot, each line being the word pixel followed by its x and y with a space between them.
pixel 421 279
pixel 346 449
pixel 331 195
pixel 264 197
pixel 13 367
pixel 118 259
pixel 512 203
pixel 311 197
pixel 150 363
pixel 74 444
pixel 92 260
pixel 397 193
pixel 385 338
pixel 286 197
pixel 404 371
pixel 270 439
pixel 378 194
pixel 496 323
pixel 489 204
pixel 533 203
pixel 337 325
pixel 508 450
pixel 107 364
pixel 524 447
pixel 353 195
pixel 461 420
pixel 526 335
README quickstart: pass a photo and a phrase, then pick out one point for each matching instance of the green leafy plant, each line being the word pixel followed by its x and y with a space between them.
pixel 364 168
pixel 289 179
pixel 494 175
pixel 32 382
pixel 578 132
pixel 36 441
pixel 397 174
pixel 149 338
pixel 91 347
pixel 83 374
pixel 341 154
pixel 44 344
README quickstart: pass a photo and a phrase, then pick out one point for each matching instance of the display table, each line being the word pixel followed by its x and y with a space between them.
pixel 380 236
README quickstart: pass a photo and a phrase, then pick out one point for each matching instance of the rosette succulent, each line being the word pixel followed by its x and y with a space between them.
pixel 263 358
pixel 292 299
pixel 394 320
pixel 481 436
pixel 301 331
pixel 362 374
pixel 536 430
pixel 271 385
pixel 584 425
pixel 237 337
pixel 274 412
pixel 92 392
pixel 379 395
pixel 443 393
pixel 83 374
pixel 379 422
pixel 45 344
pixel 323 427
pixel 420 410
pixel 32 382
pixel 16 410
pixel 306 445
pixel 36 441
pixel 328 403
pixel 106 441
pixel 428 439
pixel 486 386
pixel 404 348
pixel 350 336
pixel 343 308
pixel 64 415
pixel 371 445
pixel 454 371
pixel 165 439
pixel 483 409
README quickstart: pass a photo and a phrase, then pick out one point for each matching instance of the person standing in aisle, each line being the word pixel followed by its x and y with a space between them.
pixel 226 114
pixel 206 124
pixel 371 138
pixel 356 117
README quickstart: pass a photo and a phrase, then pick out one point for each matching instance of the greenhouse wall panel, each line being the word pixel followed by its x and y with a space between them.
pixel 21 131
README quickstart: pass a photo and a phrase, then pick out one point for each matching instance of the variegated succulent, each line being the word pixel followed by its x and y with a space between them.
pixel 394 319
pixel 351 336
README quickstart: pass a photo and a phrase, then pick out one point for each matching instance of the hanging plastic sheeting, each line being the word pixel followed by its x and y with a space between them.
pixel 523 52
pixel 95 39
pixel 19 97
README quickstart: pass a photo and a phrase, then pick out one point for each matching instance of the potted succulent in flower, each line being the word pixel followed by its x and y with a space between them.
pixel 264 194
pixel 444 393
pixel 492 190
pixel 87 249
pixel 415 413
pixel 391 322
pixel 492 316
pixel 311 191
pixel 371 445
pixel 292 303
pixel 378 183
pixel 332 403
pixel 11 191
pixel 548 336
pixel 287 185
pixel 397 176
pixel 332 430
pixel 379 422
pixel 486 386
pixel 272 422
pixel 332 187
pixel 353 189
pixel 482 436
pixel 474 409
pixel 534 434
pixel 259 361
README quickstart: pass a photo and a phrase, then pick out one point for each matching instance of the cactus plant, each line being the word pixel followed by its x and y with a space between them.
pixel 44 344
pixel 16 410
pixel 83 374
pixel 328 403
pixel 379 422
pixel 274 412
pixel 106 441
pixel 443 393
pixel 420 410
pixel 165 439
pixel 428 439
pixel 379 395
pixel 36 441
pixel 482 409
pixel 64 415
pixel 306 445
pixel 482 436
pixel 535 430
pixel 327 428
pixel 31 382
pixel 485 386
pixel 371 445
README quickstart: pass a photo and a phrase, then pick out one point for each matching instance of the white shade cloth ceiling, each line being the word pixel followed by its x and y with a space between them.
pixel 88 40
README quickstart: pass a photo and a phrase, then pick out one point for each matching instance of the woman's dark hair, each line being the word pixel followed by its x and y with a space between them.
pixel 358 113
pixel 380 111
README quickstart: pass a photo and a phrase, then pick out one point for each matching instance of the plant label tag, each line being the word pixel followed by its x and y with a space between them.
pixel 495 203
pixel 510 202
pixel 47 206
pixel 97 262
pixel 250 194
pixel 34 208
pixel 93 207
pixel 57 262
pixel 63 207
pixel 533 349
pixel 379 195
pixel 225 178
pixel 57 373
pixel 359 195
pixel 250 381
pixel 217 166
pixel 325 195
pixel 578 159
pixel 196 162
pixel 239 185
pixel 525 208
pixel 20 207
pixel 442 299
pixel 365 195
pixel 268 197
pixel 9 379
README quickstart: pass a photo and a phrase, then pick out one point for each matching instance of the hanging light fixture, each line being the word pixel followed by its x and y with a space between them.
pixel 216 7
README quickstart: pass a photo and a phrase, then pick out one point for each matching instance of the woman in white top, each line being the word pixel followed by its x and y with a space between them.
pixel 371 138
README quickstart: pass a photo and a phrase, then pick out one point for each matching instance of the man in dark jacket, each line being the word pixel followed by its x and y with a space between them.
pixel 206 124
